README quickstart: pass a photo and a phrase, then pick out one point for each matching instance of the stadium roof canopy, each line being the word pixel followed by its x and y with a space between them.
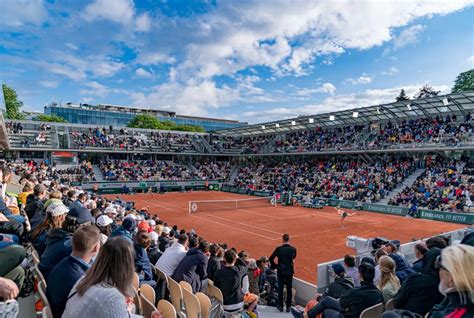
pixel 458 103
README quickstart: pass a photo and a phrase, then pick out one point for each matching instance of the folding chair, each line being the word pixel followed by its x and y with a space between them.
pixel 176 294
pixel 148 292
pixel 372 312
pixel 191 302
pixel 186 286
pixel 205 303
pixel 147 306
pixel 166 308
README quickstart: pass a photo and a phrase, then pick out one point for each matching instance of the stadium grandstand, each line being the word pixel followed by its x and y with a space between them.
pixel 237 159
pixel 410 158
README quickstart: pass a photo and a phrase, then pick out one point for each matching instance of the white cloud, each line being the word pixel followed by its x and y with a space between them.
pixel 365 98
pixel 118 11
pixel 86 100
pixel 325 88
pixel 140 72
pixel 71 46
pixel 364 79
pixel 143 23
pixel 391 71
pixel 49 84
pixel 407 36
pixel 16 13
pixel 96 89
pixel 470 59
pixel 150 58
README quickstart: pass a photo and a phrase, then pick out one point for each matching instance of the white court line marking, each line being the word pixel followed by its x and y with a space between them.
pixel 243 224
pixel 331 230
pixel 219 223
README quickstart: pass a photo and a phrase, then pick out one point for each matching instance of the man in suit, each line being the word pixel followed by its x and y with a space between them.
pixel 285 270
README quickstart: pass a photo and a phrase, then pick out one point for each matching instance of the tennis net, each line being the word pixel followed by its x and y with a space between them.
pixel 236 204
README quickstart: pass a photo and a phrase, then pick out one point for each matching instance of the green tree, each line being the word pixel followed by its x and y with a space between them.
pixel 146 121
pixel 426 91
pixel 50 118
pixel 464 82
pixel 402 96
pixel 12 104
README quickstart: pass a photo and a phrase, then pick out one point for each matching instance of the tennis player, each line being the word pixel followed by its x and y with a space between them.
pixel 343 214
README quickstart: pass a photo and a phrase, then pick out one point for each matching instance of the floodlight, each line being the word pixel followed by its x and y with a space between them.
pixel 445 102
pixel 409 106
pixel 277 125
pixel 332 117
pixel 311 120
pixel 355 114
pixel 263 126
pixel 378 111
pixel 293 123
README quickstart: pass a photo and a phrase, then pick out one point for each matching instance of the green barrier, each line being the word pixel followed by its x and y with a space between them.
pixel 464 218
pixel 342 203
pixel 387 209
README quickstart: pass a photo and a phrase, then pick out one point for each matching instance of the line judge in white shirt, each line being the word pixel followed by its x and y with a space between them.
pixel 171 257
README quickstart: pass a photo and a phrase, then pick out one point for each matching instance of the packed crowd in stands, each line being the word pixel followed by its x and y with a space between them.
pixel 130 140
pixel 422 130
pixel 84 249
pixel 445 185
pixel 448 131
pixel 117 170
pixel 43 172
pixel 348 137
pixel 337 179
pixel 218 170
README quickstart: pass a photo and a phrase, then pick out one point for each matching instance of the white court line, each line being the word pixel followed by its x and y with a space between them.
pixel 219 223
pixel 331 230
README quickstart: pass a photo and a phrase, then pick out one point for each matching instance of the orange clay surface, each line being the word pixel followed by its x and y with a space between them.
pixel 317 234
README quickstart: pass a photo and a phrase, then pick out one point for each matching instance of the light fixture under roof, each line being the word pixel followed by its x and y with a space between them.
pixel 355 114
pixel 263 126
pixel 409 106
pixel 445 102
pixel 277 125
pixel 311 120
pixel 293 123
pixel 378 111
pixel 332 117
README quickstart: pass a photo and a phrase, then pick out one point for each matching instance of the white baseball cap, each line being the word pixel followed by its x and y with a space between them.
pixel 57 209
pixel 110 210
pixel 104 220
pixel 166 230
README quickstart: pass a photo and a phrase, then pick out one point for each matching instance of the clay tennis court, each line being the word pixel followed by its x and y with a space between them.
pixel 317 234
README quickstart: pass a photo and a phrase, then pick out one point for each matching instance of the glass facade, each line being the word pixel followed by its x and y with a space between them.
pixel 101 117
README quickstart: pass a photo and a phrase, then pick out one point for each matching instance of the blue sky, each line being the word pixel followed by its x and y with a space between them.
pixel 253 61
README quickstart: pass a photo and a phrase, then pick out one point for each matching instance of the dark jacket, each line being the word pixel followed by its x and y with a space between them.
pixel 153 254
pixel 39 243
pixel 121 231
pixel 359 298
pixel 33 206
pixel 229 281
pixel 454 307
pixel 39 217
pixel 193 269
pixel 213 266
pixel 142 263
pixel 58 246
pixel 418 265
pixel 285 254
pixel 339 287
pixel 401 270
pixel 60 282
pixel 419 293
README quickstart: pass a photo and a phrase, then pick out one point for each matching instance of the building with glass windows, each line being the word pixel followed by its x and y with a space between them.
pixel 112 115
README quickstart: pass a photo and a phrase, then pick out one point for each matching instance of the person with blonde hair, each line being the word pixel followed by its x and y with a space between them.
pixel 389 283
pixel 456 273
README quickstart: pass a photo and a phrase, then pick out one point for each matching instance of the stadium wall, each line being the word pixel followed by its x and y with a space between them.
pixel 142 186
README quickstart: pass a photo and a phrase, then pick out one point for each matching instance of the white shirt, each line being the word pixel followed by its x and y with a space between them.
pixel 170 259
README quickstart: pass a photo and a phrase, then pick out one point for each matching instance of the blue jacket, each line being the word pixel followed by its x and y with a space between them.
pixel 39 243
pixel 193 269
pixel 60 282
pixel 401 269
pixel 142 263
pixel 58 246
pixel 120 231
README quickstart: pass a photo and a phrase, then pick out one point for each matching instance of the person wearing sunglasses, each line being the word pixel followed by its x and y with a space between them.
pixel 456 273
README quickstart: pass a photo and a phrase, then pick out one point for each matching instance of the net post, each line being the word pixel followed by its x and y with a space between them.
pixel 189 207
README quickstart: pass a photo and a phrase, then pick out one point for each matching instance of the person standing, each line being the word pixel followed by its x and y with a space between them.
pixel 285 270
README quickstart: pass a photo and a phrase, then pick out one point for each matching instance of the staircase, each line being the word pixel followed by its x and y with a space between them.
pixel 234 171
pixel 98 173
pixel 408 182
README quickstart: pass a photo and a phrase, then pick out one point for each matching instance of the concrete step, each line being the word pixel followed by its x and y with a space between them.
pixel 408 182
